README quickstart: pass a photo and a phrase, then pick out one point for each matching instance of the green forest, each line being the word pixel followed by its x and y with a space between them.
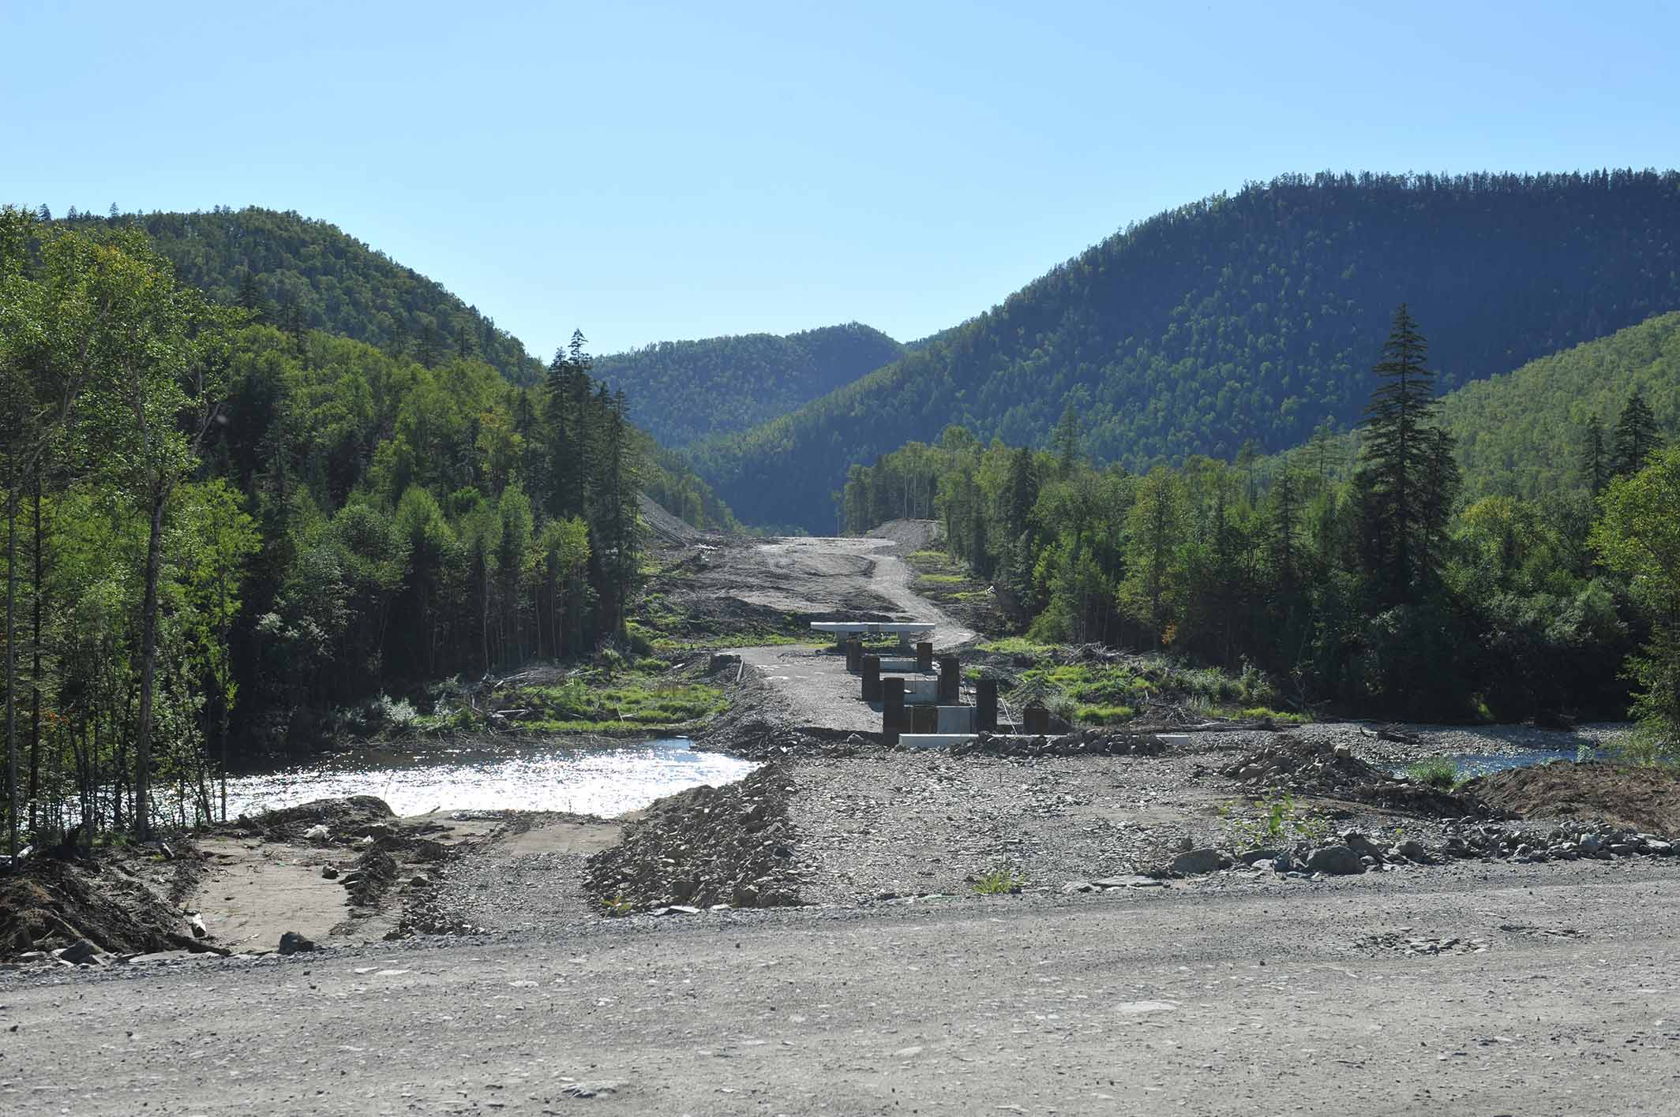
pixel 681 391
pixel 219 531
pixel 302 274
pixel 1243 320
pixel 1376 586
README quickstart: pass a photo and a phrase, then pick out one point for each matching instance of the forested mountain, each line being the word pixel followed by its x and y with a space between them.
pixel 300 273
pixel 680 391
pixel 1244 319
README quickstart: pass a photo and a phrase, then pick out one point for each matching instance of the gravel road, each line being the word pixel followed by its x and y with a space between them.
pixel 1136 1003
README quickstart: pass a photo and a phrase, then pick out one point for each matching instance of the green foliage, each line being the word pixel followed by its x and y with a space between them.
pixel 1435 771
pixel 1273 821
pixel 231 530
pixel 1639 537
pixel 580 705
pixel 1001 880
pixel 1530 433
pixel 301 274
pixel 686 390
pixel 1245 318
pixel 1295 581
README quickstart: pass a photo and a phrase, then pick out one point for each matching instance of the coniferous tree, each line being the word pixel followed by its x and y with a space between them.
pixel 1636 437
pixel 1406 477
pixel 1595 462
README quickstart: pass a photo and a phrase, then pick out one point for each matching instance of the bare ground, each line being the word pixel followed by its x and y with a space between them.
pixel 1466 987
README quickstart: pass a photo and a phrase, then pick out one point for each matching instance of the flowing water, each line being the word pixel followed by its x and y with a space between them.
pixel 598 780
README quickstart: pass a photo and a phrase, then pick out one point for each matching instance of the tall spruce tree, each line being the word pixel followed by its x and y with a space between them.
pixel 1595 461
pixel 1635 439
pixel 1407 478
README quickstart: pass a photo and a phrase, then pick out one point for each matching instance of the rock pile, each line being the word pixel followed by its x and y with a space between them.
pixel 1571 841
pixel 1332 771
pixel 52 903
pixel 702 847
pixel 319 820
pixel 758 739
pixel 1083 742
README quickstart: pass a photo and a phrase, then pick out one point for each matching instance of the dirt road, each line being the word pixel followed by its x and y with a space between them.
pixel 837 575
pixel 1137 1003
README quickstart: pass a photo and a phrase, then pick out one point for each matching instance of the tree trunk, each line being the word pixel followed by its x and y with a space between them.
pixel 148 667
pixel 11 663
pixel 35 662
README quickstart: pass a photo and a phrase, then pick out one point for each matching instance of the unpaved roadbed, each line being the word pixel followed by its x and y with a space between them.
pixel 1133 1003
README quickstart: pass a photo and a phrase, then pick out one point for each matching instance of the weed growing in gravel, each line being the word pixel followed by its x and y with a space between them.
pixel 1275 820
pixel 1435 771
pixel 617 906
pixel 1000 881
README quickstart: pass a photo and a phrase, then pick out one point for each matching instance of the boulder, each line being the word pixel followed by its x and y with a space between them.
pixel 1193 862
pixel 1336 860
pixel 1363 845
pixel 79 952
pixel 293 943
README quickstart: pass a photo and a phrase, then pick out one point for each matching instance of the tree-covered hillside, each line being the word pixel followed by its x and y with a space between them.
pixel 680 391
pixel 1240 319
pixel 1524 433
pixel 299 273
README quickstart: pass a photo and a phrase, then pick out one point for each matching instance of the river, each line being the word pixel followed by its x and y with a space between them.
pixel 599 780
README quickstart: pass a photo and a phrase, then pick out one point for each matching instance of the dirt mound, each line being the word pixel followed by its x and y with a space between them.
pixel 1644 798
pixel 51 903
pixel 707 845
pixel 912 535
pixel 755 738
pixel 1320 768
pixel 1085 742
pixel 341 817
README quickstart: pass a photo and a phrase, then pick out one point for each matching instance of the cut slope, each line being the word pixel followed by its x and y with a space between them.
pixel 1250 317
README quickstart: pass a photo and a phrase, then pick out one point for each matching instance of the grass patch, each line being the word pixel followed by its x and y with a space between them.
pixel 1283 716
pixel 1103 715
pixel 1436 771
pixel 1016 645
pixel 942 579
pixel 1001 881
pixel 625 703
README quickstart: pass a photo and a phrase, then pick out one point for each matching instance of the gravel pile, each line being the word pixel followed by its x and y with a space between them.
pixel 761 739
pixel 352 816
pixel 1321 768
pixel 1084 742
pixel 701 847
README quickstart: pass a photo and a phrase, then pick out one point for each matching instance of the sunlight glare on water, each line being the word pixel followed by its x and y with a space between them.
pixel 600 781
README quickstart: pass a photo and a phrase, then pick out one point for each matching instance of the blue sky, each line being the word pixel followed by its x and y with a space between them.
pixel 656 171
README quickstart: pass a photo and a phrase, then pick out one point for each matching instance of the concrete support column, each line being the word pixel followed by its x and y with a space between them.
pixel 986 706
pixel 924 656
pixel 924 719
pixel 1037 719
pixel 854 654
pixel 892 708
pixel 950 680
pixel 871 668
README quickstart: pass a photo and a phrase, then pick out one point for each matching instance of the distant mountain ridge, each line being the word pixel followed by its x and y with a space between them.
pixel 681 391
pixel 1250 317
pixel 310 274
